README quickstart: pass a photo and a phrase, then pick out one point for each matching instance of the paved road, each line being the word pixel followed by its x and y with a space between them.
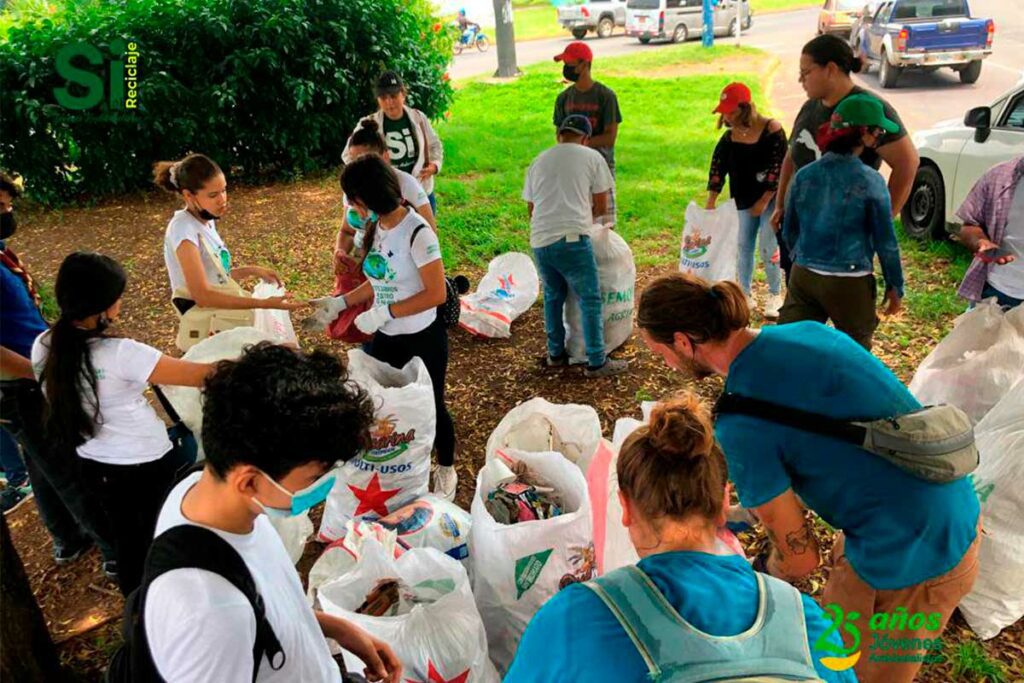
pixel 921 99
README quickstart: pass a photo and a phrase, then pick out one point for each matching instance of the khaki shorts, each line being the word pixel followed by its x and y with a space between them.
pixel 938 595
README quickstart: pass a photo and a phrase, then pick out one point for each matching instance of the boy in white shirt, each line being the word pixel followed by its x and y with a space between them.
pixel 275 422
pixel 566 189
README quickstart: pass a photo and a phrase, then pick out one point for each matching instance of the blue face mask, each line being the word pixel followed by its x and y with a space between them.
pixel 356 221
pixel 302 500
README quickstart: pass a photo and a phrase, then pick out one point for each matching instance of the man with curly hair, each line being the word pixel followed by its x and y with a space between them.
pixel 275 423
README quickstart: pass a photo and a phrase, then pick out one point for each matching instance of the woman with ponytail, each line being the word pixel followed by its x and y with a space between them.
pixel 681 609
pixel 97 415
pixel 204 287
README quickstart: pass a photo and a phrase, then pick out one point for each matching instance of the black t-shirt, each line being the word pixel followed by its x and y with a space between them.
pixel 403 146
pixel 753 169
pixel 802 145
pixel 599 104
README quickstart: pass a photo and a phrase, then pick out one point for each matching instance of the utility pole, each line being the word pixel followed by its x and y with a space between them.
pixel 505 37
pixel 708 34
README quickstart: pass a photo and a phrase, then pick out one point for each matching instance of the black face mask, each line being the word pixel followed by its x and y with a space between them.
pixel 569 73
pixel 8 225
pixel 207 216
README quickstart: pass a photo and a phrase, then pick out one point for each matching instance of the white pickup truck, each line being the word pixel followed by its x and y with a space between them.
pixel 599 16
pixel 954 155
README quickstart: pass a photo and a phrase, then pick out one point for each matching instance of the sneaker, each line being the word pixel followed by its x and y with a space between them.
pixel 556 361
pixel 66 554
pixel 11 499
pixel 612 366
pixel 110 569
pixel 446 480
pixel 773 305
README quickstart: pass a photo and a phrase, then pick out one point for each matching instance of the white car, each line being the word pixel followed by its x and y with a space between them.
pixel 954 155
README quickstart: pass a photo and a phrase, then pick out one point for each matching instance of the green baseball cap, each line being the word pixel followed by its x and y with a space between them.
pixel 862 110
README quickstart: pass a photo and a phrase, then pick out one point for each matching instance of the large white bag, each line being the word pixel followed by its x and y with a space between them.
pixel 616 272
pixel 341 556
pixel 431 522
pixel 396 469
pixel 226 345
pixel 997 600
pixel 274 322
pixel 509 288
pixel 443 640
pixel 977 362
pixel 294 532
pixel 710 242
pixel 537 425
pixel 517 567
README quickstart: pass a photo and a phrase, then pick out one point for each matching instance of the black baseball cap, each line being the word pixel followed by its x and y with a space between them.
pixel 576 123
pixel 389 83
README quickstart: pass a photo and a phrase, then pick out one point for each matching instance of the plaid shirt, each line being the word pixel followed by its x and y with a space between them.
pixel 988 206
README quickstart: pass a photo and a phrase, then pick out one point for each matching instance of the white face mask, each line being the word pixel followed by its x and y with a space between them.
pixel 302 500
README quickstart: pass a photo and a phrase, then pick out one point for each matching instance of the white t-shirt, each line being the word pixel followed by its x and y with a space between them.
pixel 392 267
pixel 1009 278
pixel 130 432
pixel 561 183
pixel 412 192
pixel 184 226
pixel 201 628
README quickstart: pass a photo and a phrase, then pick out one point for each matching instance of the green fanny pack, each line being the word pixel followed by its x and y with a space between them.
pixel 935 443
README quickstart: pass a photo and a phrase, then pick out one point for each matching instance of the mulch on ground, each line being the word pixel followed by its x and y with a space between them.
pixel 291 227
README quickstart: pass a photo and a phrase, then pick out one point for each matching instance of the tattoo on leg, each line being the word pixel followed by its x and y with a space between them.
pixel 799 541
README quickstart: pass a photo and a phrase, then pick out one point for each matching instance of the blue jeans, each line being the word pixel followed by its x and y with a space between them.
pixel 10 460
pixel 433 203
pixel 563 265
pixel 755 229
pixel 1004 300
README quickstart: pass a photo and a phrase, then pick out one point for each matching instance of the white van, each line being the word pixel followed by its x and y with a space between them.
pixel 680 20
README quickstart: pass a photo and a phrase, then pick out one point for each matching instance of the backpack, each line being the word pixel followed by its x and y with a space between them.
pixel 935 443
pixel 187 547
pixel 450 310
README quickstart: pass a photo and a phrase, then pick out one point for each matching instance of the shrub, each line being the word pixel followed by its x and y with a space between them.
pixel 268 88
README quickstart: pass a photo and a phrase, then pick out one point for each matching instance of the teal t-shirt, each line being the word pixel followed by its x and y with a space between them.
pixel 900 530
pixel 403 146
pixel 574 637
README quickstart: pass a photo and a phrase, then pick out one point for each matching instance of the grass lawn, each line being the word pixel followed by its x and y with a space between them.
pixel 763 6
pixel 537 21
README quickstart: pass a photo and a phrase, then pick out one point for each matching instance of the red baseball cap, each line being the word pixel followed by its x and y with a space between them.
pixel 733 95
pixel 576 51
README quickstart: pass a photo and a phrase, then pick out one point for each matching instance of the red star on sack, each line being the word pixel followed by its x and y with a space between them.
pixel 373 498
pixel 434 677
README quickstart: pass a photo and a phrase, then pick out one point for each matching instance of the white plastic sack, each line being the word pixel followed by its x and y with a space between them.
pixel 517 567
pixel 977 362
pixel 396 469
pixel 294 532
pixel 431 522
pixel 509 288
pixel 442 640
pixel 616 272
pixel 223 346
pixel 997 601
pixel 341 556
pixel 274 322
pixel 537 425
pixel 709 245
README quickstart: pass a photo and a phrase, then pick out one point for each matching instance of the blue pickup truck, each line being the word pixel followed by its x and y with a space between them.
pixel 924 34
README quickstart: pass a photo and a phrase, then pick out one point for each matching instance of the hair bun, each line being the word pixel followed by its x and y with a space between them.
pixel 682 427
pixel 370 125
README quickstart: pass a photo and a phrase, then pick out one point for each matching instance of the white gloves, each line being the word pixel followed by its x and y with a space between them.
pixel 326 310
pixel 372 320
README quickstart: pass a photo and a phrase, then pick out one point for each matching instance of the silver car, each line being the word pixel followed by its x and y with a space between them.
pixel 680 20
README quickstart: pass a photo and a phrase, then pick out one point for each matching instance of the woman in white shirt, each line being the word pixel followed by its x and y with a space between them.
pixel 198 261
pixel 405 283
pixel 94 386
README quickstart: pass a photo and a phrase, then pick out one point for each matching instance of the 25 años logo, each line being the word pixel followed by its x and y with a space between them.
pixel 883 648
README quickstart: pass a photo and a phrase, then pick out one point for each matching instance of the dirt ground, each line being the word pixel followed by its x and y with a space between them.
pixel 290 227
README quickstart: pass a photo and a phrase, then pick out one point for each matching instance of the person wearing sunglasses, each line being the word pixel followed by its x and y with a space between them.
pixel 837 219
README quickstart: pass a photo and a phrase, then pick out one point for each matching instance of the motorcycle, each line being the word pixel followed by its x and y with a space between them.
pixel 472 36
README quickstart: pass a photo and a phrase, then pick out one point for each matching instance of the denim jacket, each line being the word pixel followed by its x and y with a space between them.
pixel 838 216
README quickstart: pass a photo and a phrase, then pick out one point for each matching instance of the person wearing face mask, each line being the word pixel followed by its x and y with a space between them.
pixel 677 613
pixel 750 154
pixel 405 285
pixel 837 219
pixel 412 143
pixel 276 421
pixel 204 287
pixel 594 100
pixel 64 504
pixel 904 543
pixel 98 421
pixel 826 65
